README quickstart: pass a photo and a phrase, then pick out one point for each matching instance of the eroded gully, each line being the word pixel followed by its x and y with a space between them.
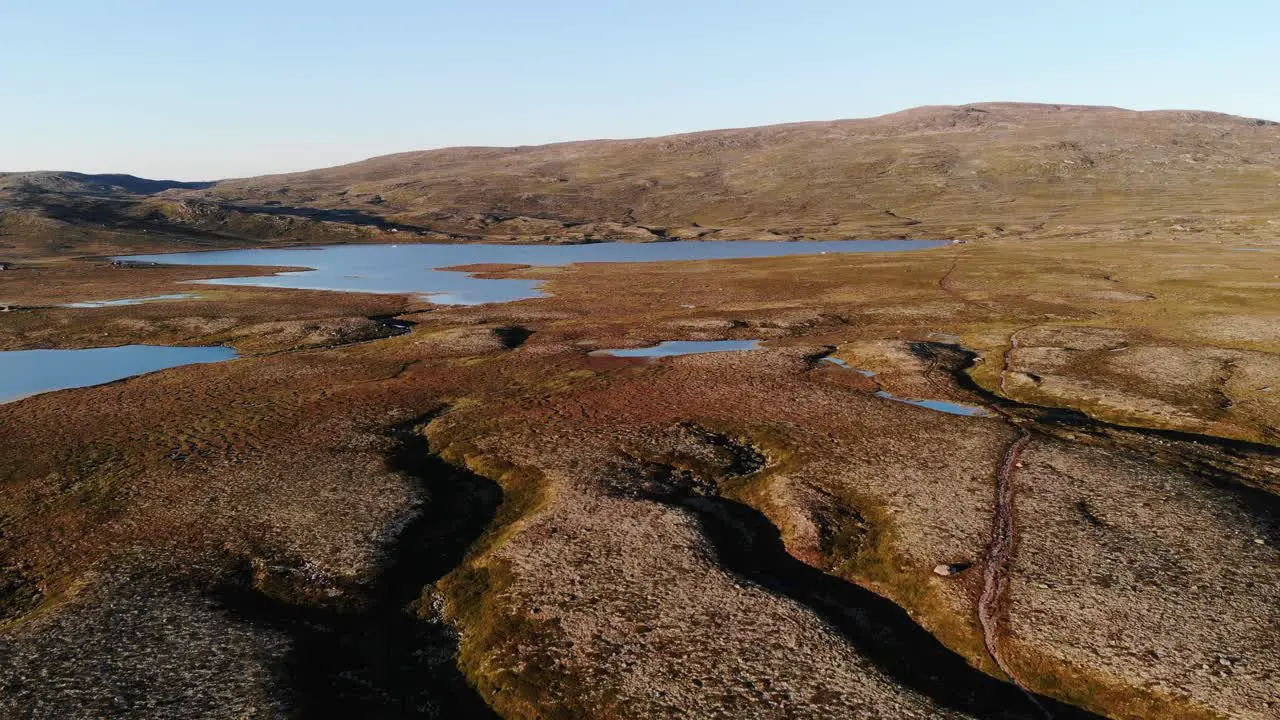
pixel 749 545
pixel 382 658
pixel 1002 538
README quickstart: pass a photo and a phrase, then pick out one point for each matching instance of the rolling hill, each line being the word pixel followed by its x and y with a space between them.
pixel 957 171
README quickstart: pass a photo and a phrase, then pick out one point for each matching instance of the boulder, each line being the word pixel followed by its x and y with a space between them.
pixel 949 569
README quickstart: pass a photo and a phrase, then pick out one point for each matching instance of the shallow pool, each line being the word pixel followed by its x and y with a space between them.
pixel 29 372
pixel 945 406
pixel 683 347
pixel 952 408
pixel 129 301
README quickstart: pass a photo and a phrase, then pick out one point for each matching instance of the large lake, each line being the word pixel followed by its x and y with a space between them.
pixel 416 268
pixel 28 372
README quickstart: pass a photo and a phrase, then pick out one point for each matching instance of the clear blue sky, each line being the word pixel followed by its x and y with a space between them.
pixel 200 90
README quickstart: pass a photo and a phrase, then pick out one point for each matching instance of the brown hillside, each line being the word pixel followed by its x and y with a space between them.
pixel 974 171
pixel 965 170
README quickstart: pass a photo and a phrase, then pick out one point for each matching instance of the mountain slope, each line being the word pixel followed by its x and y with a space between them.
pixel 924 171
pixel 933 172
pixel 108 185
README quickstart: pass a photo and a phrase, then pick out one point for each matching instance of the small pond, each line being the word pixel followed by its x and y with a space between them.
pixel 29 372
pixel 417 269
pixel 129 301
pixel 945 406
pixel 952 408
pixel 682 347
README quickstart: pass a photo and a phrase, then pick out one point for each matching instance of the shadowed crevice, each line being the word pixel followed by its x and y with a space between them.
pixel 749 545
pixel 383 659
pixel 512 336
pixel 394 324
pixel 1224 463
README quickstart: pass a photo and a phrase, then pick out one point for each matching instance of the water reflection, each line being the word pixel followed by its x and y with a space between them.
pixel 416 269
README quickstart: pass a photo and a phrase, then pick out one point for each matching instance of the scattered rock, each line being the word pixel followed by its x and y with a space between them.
pixel 949 569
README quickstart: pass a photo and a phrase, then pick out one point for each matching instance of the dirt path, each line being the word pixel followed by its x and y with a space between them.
pixel 999 556
pixel 1006 359
pixel 748 544
pixel 943 390
pixel 944 284
pixel 999 553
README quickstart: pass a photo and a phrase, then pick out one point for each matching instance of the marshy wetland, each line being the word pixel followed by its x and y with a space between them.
pixel 415 499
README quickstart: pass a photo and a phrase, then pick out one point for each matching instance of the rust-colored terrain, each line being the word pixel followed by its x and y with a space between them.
pixel 388 508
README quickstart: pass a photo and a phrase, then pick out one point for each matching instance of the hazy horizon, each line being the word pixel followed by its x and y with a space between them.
pixel 202 93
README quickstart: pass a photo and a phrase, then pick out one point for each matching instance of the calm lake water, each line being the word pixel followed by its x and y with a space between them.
pixel 683 347
pixel 415 269
pixel 29 372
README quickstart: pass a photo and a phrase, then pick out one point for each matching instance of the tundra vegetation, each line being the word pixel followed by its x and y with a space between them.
pixel 390 508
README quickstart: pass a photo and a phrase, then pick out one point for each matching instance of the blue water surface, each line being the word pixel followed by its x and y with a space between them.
pixel 683 347
pixel 944 406
pixel 129 301
pixel 29 372
pixel 416 268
